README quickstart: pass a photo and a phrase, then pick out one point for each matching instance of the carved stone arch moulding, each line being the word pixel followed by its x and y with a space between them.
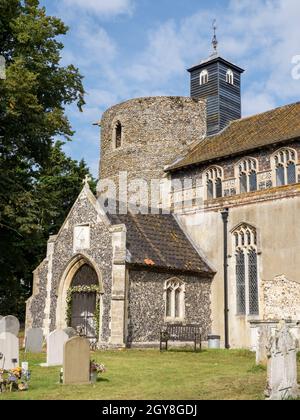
pixel 66 281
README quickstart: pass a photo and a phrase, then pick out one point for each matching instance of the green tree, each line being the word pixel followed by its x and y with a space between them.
pixel 38 183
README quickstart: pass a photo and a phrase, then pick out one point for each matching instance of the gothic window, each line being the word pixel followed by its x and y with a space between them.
pixel 247 170
pixel 246 269
pixel 214 177
pixel 174 292
pixel 230 77
pixel 118 135
pixel 284 162
pixel 203 77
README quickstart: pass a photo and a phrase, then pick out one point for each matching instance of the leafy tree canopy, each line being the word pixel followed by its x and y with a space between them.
pixel 38 182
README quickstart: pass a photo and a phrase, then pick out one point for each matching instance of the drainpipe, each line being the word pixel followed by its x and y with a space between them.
pixel 225 215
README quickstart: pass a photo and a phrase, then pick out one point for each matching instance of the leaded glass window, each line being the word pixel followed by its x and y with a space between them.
pixel 240 283
pixel 291 173
pixel 280 175
pixel 214 177
pixel 243 183
pixel 210 189
pixel 253 181
pixel 246 270
pixel 248 175
pixel 253 283
pixel 284 164
pixel 218 188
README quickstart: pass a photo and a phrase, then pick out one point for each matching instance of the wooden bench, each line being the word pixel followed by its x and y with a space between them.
pixel 183 333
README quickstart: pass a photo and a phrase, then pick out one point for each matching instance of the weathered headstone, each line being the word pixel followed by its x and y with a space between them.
pixel 34 340
pixel 264 335
pixel 10 324
pixel 282 366
pixel 55 347
pixel 70 332
pixel 9 347
pixel 77 361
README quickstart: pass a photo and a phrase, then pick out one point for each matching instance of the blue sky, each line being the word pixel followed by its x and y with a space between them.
pixel 133 48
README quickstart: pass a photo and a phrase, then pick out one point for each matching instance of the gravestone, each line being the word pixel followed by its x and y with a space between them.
pixel 34 340
pixel 10 324
pixel 77 361
pixel 9 346
pixel 70 332
pixel 55 347
pixel 282 366
pixel 264 335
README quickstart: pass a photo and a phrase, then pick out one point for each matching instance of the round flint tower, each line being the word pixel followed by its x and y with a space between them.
pixel 142 136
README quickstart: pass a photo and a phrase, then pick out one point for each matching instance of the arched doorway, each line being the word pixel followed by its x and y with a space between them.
pixel 83 299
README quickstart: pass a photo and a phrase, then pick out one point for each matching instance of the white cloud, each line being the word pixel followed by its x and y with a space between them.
pixel 260 35
pixel 102 7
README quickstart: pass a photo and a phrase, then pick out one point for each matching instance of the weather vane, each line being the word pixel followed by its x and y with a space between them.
pixel 214 40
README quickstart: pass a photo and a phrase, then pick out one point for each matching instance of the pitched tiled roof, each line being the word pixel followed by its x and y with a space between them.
pixel 157 241
pixel 278 125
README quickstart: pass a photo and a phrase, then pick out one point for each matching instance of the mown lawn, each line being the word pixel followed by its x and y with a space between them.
pixel 149 374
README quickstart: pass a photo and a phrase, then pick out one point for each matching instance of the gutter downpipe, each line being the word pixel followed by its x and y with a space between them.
pixel 225 216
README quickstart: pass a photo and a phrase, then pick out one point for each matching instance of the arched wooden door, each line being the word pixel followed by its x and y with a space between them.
pixel 84 304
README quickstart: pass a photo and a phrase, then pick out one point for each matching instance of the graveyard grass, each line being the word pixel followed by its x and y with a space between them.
pixel 149 374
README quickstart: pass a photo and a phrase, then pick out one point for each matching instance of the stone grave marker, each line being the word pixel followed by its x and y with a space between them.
pixel 55 347
pixel 77 361
pixel 282 366
pixel 264 335
pixel 34 340
pixel 10 324
pixel 9 347
pixel 70 332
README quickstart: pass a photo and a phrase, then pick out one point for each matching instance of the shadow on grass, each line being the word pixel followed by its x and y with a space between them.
pixel 184 350
pixel 102 380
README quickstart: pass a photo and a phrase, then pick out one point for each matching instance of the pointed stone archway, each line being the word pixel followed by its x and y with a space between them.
pixel 80 273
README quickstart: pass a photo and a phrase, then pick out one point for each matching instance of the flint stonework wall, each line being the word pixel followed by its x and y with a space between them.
pixel 281 299
pixel 155 132
pixel 146 311
pixel 100 252
pixel 36 304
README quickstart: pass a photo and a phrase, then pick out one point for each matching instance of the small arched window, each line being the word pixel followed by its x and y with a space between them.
pixel 247 172
pixel 175 305
pixel 284 164
pixel 214 178
pixel 118 135
pixel 203 77
pixel 230 77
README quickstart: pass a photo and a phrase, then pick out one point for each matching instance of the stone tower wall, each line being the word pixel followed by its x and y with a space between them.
pixel 155 132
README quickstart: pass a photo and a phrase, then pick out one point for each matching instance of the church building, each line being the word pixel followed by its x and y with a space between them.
pixel 228 261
